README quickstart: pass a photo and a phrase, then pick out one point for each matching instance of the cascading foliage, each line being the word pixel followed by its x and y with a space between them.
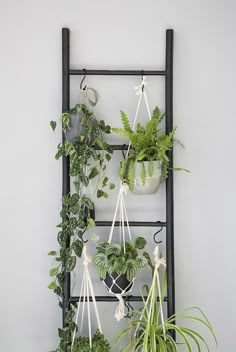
pixel 88 154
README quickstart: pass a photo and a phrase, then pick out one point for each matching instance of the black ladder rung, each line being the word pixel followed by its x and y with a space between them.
pixel 79 72
pixel 114 147
pixel 133 223
pixel 75 299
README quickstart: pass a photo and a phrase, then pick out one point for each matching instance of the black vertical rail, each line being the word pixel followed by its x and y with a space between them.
pixel 169 181
pixel 65 160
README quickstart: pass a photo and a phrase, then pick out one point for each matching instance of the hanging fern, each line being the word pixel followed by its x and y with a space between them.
pixel 148 143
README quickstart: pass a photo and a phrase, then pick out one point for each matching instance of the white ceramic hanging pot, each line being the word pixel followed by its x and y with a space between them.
pixel 152 183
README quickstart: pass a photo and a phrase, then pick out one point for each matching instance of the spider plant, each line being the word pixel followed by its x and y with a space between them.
pixel 153 336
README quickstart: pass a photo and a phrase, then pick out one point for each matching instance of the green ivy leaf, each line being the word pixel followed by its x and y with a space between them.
pixel 108 157
pixel 101 193
pixel 78 247
pixel 53 271
pixel 70 263
pixel 65 118
pixel 93 173
pixel 90 223
pixel 104 182
pixel 87 202
pixel 140 243
pixel 52 285
pixel 52 253
pixel 53 125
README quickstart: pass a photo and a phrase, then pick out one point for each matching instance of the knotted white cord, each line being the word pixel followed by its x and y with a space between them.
pixel 140 90
pixel 120 310
pixel 158 262
pixel 87 289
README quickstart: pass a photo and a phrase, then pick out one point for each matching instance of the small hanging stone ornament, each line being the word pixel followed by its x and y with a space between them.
pixel 91 98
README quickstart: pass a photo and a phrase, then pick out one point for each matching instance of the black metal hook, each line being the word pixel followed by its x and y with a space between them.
pixel 158 231
pixel 85 74
pixel 123 150
pixel 142 82
pixel 129 307
pixel 84 241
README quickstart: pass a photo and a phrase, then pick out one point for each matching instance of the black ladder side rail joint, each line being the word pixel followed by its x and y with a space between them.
pixel 169 224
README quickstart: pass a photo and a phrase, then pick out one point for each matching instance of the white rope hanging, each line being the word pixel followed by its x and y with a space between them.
pixel 120 204
pixel 140 90
pixel 156 280
pixel 86 291
pixel 120 311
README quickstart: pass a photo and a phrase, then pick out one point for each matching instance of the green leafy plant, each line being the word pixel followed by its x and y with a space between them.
pixel 149 331
pixel 87 154
pixel 99 344
pixel 148 143
pixel 121 259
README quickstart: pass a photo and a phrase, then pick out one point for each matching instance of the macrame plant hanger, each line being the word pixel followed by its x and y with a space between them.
pixel 155 282
pixel 120 311
pixel 86 291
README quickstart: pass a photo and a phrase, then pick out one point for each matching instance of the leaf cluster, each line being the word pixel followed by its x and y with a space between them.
pixel 148 143
pixel 121 259
pixel 99 344
pixel 150 336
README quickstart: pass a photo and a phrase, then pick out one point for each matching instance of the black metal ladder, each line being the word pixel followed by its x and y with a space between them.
pixel 169 223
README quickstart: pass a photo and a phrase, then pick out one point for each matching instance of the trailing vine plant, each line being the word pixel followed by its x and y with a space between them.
pixel 88 153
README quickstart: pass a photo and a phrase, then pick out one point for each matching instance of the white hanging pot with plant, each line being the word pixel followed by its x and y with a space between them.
pixel 147 178
pixel 146 163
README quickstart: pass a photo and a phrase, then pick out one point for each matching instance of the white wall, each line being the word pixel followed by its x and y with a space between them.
pixel 116 34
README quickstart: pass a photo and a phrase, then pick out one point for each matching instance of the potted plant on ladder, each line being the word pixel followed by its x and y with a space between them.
pixel 153 333
pixel 118 263
pixel 147 161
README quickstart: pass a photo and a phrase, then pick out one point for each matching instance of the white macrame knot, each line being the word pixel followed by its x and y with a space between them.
pixel 120 310
pixel 157 260
pixel 124 188
pixel 87 258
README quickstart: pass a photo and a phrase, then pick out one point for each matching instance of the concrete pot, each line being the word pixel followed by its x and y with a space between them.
pixel 152 183
pixel 76 129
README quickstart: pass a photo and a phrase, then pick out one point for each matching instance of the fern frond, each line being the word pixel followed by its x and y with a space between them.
pixel 131 174
pixel 125 121
pixel 143 174
pixel 122 132
pixel 150 168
